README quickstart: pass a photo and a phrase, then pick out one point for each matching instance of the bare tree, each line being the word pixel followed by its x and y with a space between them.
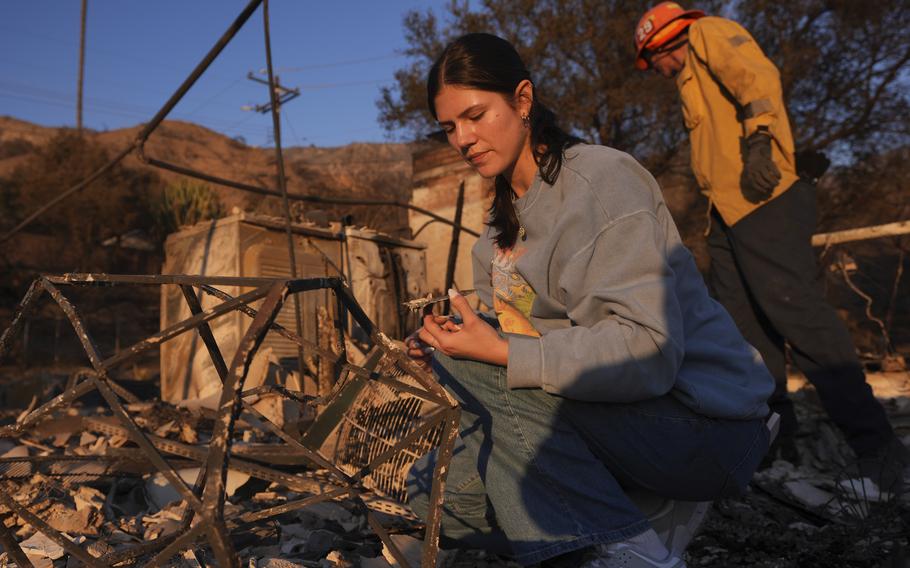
pixel 844 69
pixel 580 54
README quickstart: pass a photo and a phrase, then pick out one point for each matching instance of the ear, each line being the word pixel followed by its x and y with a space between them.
pixel 524 96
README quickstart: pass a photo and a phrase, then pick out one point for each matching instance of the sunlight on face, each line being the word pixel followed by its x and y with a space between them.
pixel 485 129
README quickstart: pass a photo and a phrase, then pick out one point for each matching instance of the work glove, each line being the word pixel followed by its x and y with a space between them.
pixel 760 174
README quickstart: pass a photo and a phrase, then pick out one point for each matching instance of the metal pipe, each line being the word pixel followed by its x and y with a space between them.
pixel 453 246
pixel 279 166
pixel 81 67
pixel 296 196
pixel 197 72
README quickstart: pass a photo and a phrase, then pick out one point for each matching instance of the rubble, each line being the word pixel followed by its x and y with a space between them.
pixel 812 511
pixel 145 482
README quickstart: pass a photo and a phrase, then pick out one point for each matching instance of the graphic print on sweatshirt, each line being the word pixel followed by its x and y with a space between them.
pixel 512 295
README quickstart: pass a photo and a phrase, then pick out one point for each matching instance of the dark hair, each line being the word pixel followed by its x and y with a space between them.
pixel 490 63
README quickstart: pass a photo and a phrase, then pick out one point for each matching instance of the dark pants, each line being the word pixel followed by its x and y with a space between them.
pixel 537 476
pixel 763 270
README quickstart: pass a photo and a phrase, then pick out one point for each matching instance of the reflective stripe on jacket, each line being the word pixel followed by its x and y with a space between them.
pixel 728 89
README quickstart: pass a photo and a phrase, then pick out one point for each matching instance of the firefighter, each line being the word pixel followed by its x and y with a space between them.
pixel 762 217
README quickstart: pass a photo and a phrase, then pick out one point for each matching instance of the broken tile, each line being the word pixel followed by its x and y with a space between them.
pixel 277 563
pixel 39 545
pixel 87 497
pixel 412 549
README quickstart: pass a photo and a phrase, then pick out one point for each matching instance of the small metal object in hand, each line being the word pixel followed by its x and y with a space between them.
pixel 421 303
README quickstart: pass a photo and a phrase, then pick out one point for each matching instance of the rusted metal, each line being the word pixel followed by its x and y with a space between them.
pixel 12 548
pixel 295 482
pixel 396 384
pixel 101 382
pixel 422 376
pixel 437 491
pixel 456 238
pixel 206 499
pixel 208 338
pixel 180 328
pixel 179 544
pixel 270 512
pixel 47 408
pixel 78 553
pixel 22 310
pixel 275 108
pixel 228 409
pixel 123 556
pixel 217 458
pixel 248 311
pixel 277 389
pixel 70 467
pixel 205 331
pixel 387 540
pixel 291 441
pixel 426 424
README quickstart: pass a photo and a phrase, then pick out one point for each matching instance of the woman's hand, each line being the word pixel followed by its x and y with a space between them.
pixel 420 352
pixel 473 339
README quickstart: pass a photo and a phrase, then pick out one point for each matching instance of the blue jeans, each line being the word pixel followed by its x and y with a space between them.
pixel 536 476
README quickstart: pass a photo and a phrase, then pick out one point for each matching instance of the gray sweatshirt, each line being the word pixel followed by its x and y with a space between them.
pixel 621 309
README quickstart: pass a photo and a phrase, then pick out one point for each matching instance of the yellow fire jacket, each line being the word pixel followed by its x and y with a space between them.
pixel 728 89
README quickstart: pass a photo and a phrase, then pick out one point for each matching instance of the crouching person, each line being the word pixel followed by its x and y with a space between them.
pixel 608 369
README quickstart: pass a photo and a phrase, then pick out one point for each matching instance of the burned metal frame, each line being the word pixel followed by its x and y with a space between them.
pixel 204 517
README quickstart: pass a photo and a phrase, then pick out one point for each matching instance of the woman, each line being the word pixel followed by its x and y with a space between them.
pixel 611 369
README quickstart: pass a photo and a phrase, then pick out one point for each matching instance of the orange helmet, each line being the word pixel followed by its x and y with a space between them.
pixel 658 26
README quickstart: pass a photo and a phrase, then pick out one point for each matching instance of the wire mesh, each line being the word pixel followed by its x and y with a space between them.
pixel 379 417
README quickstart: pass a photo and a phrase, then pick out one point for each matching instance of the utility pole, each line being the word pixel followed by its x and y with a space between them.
pixel 81 68
pixel 283 94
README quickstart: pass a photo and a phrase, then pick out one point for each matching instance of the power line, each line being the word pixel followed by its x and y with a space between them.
pixel 316 86
pixel 340 63
pixel 293 132
pixel 97 51
pixel 209 100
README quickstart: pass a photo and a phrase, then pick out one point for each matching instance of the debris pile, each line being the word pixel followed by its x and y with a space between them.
pixel 100 492
pixel 812 509
pixel 91 474
pixel 96 476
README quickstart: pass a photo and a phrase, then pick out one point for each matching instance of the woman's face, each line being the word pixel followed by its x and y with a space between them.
pixel 482 125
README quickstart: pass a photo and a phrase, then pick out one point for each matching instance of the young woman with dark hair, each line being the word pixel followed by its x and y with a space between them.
pixel 606 370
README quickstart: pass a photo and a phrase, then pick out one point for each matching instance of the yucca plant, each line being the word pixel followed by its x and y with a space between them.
pixel 186 202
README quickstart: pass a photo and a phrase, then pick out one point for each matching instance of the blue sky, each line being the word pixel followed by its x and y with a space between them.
pixel 137 52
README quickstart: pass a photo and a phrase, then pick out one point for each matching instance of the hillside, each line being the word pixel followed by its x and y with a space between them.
pixel 357 170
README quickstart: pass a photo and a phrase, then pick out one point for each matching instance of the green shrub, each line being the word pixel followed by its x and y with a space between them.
pixel 185 202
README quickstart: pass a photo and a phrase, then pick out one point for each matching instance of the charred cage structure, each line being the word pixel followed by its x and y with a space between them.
pixel 430 419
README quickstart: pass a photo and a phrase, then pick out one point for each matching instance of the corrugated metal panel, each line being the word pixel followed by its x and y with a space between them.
pixel 273 262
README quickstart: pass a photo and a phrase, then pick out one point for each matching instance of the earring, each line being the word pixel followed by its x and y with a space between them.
pixel 526 121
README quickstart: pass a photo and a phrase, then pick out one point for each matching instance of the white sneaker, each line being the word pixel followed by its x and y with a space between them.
pixel 625 555
pixel 678 523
